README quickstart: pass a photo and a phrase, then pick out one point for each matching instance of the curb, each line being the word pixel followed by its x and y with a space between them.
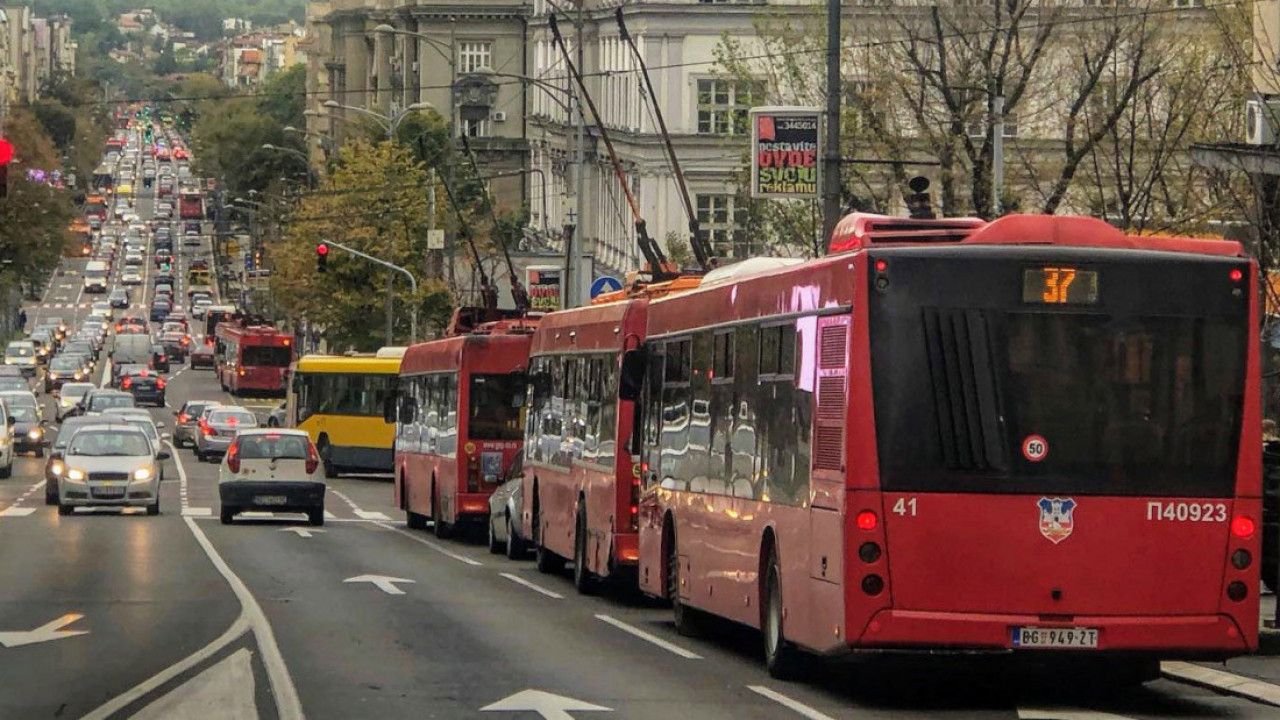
pixel 1222 682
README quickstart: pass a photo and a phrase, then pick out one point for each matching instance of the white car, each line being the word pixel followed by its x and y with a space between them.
pixel 272 469
pixel 110 465
pixel 101 309
pixel 131 277
pixel 6 442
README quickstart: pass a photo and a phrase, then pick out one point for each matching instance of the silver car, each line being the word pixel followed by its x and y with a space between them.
pixel 505 505
pixel 69 397
pixel 110 465
pixel 187 419
pixel 221 426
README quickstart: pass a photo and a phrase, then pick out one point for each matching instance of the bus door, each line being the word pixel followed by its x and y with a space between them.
pixel 827 338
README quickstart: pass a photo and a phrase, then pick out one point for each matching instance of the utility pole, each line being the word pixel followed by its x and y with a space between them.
pixel 573 276
pixel 831 158
pixel 997 151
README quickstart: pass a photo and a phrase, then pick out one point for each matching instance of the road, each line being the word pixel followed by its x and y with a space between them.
pixel 178 616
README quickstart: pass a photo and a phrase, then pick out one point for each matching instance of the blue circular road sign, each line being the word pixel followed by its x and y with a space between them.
pixel 605 284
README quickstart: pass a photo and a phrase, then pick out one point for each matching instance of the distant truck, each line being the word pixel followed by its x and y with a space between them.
pixel 95 276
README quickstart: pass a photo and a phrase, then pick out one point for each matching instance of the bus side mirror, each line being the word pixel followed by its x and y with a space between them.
pixel 631 380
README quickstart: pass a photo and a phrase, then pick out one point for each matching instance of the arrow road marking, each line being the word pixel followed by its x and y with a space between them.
pixel 305 532
pixel 549 706
pixel 49 631
pixel 384 583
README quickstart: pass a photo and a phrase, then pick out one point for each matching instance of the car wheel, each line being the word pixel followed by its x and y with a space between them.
pixel 154 508
pixel 51 498
pixel 227 514
pixel 39 452
pixel 201 456
pixel 515 546
pixel 495 547
pixel 272 422
pixel 7 470
pixel 583 580
pixel 326 459
pixel 315 516
pixel 64 509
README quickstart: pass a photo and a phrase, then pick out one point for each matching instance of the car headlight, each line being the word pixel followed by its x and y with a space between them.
pixel 75 474
pixel 79 374
pixel 57 468
pixel 53 375
pixel 35 434
pixel 142 473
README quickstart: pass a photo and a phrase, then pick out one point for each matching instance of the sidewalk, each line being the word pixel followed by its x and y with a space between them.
pixel 1255 677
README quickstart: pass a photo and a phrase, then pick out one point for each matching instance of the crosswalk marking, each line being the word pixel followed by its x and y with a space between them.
pixel 371 515
pixel 197 512
pixel 17 512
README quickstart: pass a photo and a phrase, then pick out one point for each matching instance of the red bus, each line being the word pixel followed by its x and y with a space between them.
pixel 190 205
pixel 582 481
pixel 252 358
pixel 460 422
pixel 1035 436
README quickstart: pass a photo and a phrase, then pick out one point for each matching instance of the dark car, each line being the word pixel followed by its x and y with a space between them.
pixel 175 345
pixel 64 368
pixel 95 401
pixel 191 226
pixel 28 430
pixel 145 385
pixel 119 371
pixel 159 358
pixel 119 298
pixel 201 357
pixel 160 310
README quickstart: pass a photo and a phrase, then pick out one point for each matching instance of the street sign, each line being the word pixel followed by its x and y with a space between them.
pixel 435 239
pixel 786 152
pixel 605 284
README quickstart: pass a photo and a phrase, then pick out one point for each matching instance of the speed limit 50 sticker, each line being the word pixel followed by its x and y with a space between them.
pixel 1035 448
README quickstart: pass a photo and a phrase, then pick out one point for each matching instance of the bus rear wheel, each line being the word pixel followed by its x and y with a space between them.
pixel 326 457
pixel 439 526
pixel 688 621
pixel 781 658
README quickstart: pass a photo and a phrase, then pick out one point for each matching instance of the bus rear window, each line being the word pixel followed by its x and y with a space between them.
pixel 265 356
pixel 497 407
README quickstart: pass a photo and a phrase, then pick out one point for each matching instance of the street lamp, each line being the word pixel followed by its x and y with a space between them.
pixel 311 182
pixel 390 122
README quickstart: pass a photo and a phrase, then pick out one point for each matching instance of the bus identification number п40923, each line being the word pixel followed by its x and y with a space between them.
pixel 1187 511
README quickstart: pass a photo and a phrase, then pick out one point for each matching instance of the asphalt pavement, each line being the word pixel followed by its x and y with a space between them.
pixel 116 615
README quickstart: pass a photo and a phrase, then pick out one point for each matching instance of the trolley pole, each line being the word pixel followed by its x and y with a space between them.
pixel 413 283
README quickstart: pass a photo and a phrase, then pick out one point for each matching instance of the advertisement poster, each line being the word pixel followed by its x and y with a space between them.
pixel 786 152
pixel 544 285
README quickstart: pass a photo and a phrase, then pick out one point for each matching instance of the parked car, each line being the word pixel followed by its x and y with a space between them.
pixel 110 465
pixel 220 427
pixel 186 423
pixel 277 470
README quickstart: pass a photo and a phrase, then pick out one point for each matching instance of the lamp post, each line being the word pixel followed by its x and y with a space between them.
pixel 311 181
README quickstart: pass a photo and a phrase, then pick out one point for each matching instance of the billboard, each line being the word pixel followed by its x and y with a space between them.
pixel 786 152
pixel 544 286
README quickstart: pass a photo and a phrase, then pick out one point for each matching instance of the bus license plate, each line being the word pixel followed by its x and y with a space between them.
pixel 269 500
pixel 1034 637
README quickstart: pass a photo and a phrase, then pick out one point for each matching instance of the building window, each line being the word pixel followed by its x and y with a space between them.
pixel 475 128
pixel 723 106
pixel 474 55
pixel 720 219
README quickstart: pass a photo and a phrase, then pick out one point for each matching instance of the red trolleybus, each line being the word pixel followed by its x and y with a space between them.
pixel 190 205
pixel 1037 435
pixel 460 422
pixel 581 479
pixel 251 358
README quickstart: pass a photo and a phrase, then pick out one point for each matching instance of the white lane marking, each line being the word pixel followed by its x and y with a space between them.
pixel 288 706
pixel 385 583
pixel 371 515
pixel 51 630
pixel 532 586
pixel 434 546
pixel 115 705
pixel 258 514
pixel 182 477
pixel 649 637
pixel 17 512
pixel 329 516
pixel 789 703
pixel 302 532
pixel 548 706
pixel 196 512
pixel 106 377
pixel 227 686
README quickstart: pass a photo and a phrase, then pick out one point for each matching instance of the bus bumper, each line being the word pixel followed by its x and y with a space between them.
pixel 354 459
pixel 1181 636
pixel 475 505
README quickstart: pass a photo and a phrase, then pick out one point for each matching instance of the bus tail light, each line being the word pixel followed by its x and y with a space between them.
pixel 313 458
pixel 867 520
pixel 473 474
pixel 1241 559
pixel 633 518
pixel 233 457
pixel 1237 591
pixel 1242 526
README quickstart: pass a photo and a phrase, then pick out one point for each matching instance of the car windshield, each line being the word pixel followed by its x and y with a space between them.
pixel 271 446
pixel 195 409
pixel 12 383
pixel 24 414
pixel 19 351
pixel 68 431
pixel 75 390
pixel 109 443
pixel 64 364
pixel 102 402
pixel 234 418
pixel 23 399
pixel 144 424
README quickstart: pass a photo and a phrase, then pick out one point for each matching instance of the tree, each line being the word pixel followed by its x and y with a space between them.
pixel 34 217
pixel 58 122
pixel 374 200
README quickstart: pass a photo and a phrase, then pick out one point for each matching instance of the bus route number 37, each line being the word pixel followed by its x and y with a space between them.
pixel 1187 511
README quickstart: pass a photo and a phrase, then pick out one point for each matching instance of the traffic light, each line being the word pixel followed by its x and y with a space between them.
pixel 322 257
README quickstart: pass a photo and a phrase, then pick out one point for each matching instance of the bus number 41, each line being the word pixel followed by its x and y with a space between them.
pixel 905 506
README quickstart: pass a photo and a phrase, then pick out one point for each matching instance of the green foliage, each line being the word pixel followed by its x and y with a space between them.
pixel 58 122
pixel 374 200
pixel 34 217
pixel 202 18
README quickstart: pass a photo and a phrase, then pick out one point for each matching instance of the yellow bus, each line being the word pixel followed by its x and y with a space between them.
pixel 339 401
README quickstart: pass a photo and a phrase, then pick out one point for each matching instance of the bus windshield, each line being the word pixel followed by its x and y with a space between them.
pixel 1101 402
pixel 265 356
pixel 497 407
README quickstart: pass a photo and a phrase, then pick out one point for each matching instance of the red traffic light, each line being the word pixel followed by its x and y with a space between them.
pixel 322 249
pixel 6 151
